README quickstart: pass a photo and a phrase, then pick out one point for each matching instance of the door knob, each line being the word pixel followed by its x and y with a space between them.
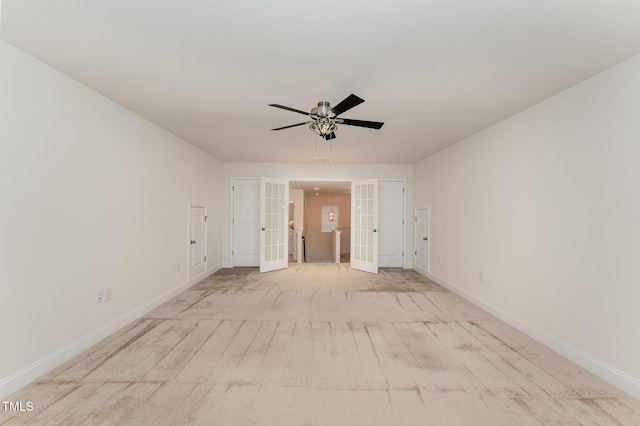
pixel 375 230
pixel 424 238
pixel 263 229
pixel 193 241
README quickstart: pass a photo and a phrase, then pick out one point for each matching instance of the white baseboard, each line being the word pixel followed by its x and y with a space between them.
pixel 29 374
pixel 203 275
pixel 424 272
pixel 227 264
pixel 605 371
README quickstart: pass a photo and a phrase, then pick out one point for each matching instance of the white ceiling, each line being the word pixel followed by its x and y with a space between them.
pixel 435 71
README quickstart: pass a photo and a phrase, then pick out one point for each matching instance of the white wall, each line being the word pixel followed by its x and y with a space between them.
pixel 297 196
pixel 547 205
pixel 313 171
pixel 92 196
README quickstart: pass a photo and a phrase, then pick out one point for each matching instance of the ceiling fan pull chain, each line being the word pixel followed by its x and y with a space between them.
pixel 330 142
pixel 315 148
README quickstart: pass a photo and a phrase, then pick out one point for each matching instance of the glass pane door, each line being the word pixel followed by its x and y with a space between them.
pixel 274 204
pixel 364 225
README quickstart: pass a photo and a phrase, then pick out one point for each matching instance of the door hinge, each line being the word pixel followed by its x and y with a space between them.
pixel 415 252
pixel 403 190
pixel 205 218
pixel 233 252
pixel 415 219
pixel 233 188
pixel 205 258
pixel 403 221
pixel 402 254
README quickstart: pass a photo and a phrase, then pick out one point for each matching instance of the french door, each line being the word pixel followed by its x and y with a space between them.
pixel 364 225
pixel 274 217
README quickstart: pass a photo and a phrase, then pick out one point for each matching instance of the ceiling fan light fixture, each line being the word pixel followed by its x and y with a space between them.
pixel 315 129
pixel 329 128
pixel 323 127
pixel 332 214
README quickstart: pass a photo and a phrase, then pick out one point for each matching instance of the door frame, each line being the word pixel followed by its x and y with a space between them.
pixel 206 237
pixel 313 179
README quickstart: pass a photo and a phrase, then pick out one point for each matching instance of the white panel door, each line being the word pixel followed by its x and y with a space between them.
pixel 246 222
pixel 364 225
pixel 391 224
pixel 422 239
pixel 274 218
pixel 197 242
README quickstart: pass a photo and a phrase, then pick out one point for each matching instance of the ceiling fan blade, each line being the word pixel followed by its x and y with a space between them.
pixel 289 109
pixel 293 125
pixel 348 103
pixel 330 136
pixel 361 123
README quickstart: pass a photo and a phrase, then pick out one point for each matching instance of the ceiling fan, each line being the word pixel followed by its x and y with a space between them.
pixel 324 119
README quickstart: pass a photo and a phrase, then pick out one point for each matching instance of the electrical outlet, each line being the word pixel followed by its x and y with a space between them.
pixel 481 277
pixel 99 296
pixel 107 294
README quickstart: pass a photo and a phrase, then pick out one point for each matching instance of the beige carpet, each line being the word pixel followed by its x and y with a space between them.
pixel 320 344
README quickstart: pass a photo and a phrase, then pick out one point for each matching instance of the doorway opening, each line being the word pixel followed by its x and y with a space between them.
pixel 321 214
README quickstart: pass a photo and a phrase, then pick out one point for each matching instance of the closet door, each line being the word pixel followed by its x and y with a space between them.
pixel 246 222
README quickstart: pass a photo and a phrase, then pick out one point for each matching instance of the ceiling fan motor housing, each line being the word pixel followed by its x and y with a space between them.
pixel 322 110
pixel 324 119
